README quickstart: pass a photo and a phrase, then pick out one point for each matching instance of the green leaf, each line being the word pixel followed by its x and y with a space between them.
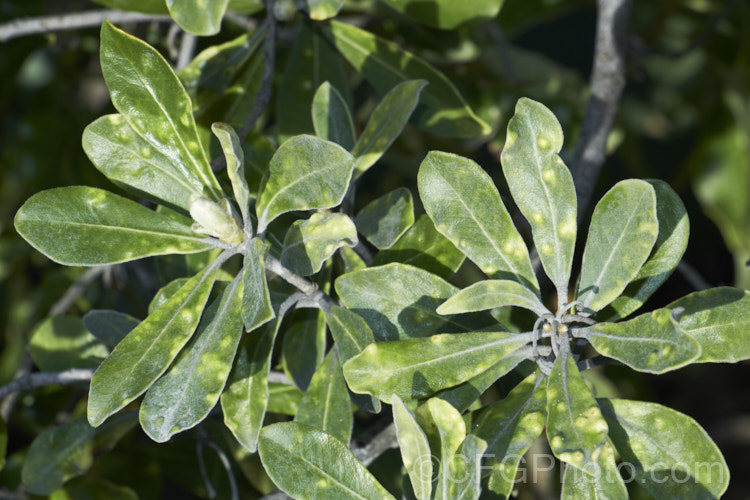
pixel 283 398
pixel 418 368
pixel 510 426
pixel 305 173
pixel 652 342
pixel 185 395
pixel 235 157
pixel 109 326
pixel 93 489
pixel 146 353
pixel 331 117
pixel 465 483
pixel 165 292
pixel 606 483
pixel 351 335
pixel 445 431
pixel 575 428
pixel 57 455
pixel 145 89
pixel 85 226
pixel 326 405
pixel 466 208
pixel 623 231
pixel 307 464
pixel 424 247
pixel 3 442
pixel 669 454
pixel 384 65
pixel 245 399
pixel 399 301
pixel 304 346
pixel 542 187
pixel 198 17
pixel 62 342
pixel 312 62
pixel 147 6
pixel 490 294
pixel 256 300
pixel 415 449
pixel 670 245
pixel 447 14
pixel 719 320
pixel 309 243
pixel 223 80
pixel 129 160
pixel 385 219
pixel 386 123
pixel 320 10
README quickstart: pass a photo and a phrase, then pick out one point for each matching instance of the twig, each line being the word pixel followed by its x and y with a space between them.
pixel 263 97
pixel 187 49
pixel 594 362
pixel 303 285
pixel 607 83
pixel 382 442
pixel 75 290
pixel 244 22
pixel 692 276
pixel 364 253
pixel 207 441
pixel 41 379
pixel 278 378
pixel 47 24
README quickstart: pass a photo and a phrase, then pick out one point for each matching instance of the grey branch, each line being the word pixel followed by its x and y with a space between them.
pixel 42 379
pixel 692 276
pixel 75 290
pixel 382 442
pixel 47 24
pixel 607 83
pixel 315 297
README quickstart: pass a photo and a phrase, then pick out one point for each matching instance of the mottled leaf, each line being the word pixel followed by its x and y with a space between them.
pixel 490 294
pixel 245 399
pixel 445 431
pixel 447 14
pixel 668 453
pixel 417 368
pixel 386 123
pixel 424 247
pixel 57 455
pixel 198 17
pixel 283 398
pixel 256 301
pixel 509 427
pixel 85 226
pixel 147 92
pixel 320 10
pixel 130 161
pixel 304 346
pixel 623 231
pixel 146 353
pixel 331 117
pixel 384 64
pixel 575 428
pixel 309 243
pixel 605 484
pixel 415 449
pixel 653 342
pixel 62 342
pixel 465 206
pixel 235 158
pixel 719 320
pixel 185 395
pixel 670 245
pixel 109 326
pixel 307 464
pixel 305 173
pixel 399 301
pixel 165 293
pixel 326 405
pixel 465 470
pixel 542 187
pixel 385 219
pixel 351 335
